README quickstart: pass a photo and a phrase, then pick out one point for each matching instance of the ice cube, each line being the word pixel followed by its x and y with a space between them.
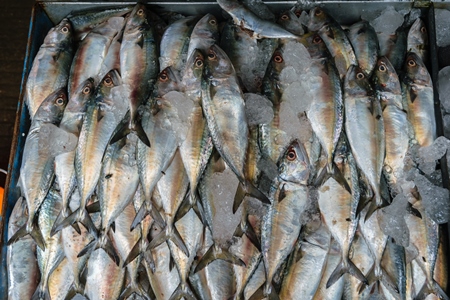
pixel 298 96
pixel 304 18
pixel 392 221
pixel 55 140
pixel 442 17
pixel 258 109
pixel 388 21
pixel 427 156
pixel 296 55
pixel 180 120
pixel 444 88
pixel 435 199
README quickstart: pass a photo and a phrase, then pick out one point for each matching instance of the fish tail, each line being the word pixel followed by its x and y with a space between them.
pixel 74 290
pixel 128 125
pixel 183 291
pixel 346 266
pixel 216 252
pixel 265 291
pixel 190 201
pixel 431 288
pixel 247 229
pixel 246 188
pixel 143 211
pixel 102 242
pixel 376 203
pixel 81 216
pixel 331 170
pixel 42 293
pixel 32 230
pixel 384 278
pixel 60 218
pixel 138 290
pixel 135 252
pixel 172 234
pixel 238 197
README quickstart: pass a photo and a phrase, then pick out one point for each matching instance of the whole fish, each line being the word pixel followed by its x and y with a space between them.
pixel 83 21
pixel 222 98
pixel 306 266
pixel 51 66
pixel 51 257
pixel 418 91
pixel 387 87
pixel 417 40
pixel 23 271
pixel 117 185
pixel 175 43
pixel 138 68
pixel 245 18
pixel 197 147
pixel 338 209
pixel 334 38
pixel 88 60
pixel 36 171
pixel 204 35
pixel 102 115
pixel 365 131
pixel 64 162
pixel 282 223
pixel 364 40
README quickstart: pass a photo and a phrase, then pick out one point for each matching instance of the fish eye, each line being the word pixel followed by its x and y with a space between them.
pixel 382 68
pixel 199 62
pixel 163 77
pixel 291 155
pixel 278 58
pixel 423 29
pixel 86 90
pixel 298 13
pixel 59 101
pixel 211 55
pixel 212 22
pixel 285 17
pixel 317 39
pixel 108 81
pixel 140 12
pixel 411 63
pixel 318 12
pixel 65 29
pixel 360 75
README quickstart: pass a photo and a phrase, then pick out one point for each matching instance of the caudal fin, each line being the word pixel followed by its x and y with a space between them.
pixel 190 201
pixel 265 291
pixel 384 278
pixel 374 206
pixel 33 231
pixel 74 290
pixel 144 210
pixel 137 290
pixel 41 293
pixel 431 288
pixel 246 228
pixel 170 232
pixel 61 216
pixel 248 189
pixel 103 242
pixel 334 172
pixel 346 266
pixel 140 249
pixel 126 126
pixel 81 216
pixel 216 252
pixel 183 291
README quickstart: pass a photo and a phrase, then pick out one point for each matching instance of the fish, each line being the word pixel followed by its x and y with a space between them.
pixel 71 122
pixel 91 52
pixel 418 93
pixel 138 68
pixel 23 270
pixel 102 115
pixel 315 45
pixel 37 172
pixel 51 66
pixel 394 263
pixel 53 254
pixel 246 19
pixel 204 35
pixel 291 22
pixel 393 46
pixel 334 38
pixel 229 135
pixel 174 44
pixel 396 125
pixel 118 182
pixel 417 40
pixel 326 114
pixel 364 40
pixel 281 225
pixel 60 280
pixel 83 21
pixel 338 210
pixel 365 131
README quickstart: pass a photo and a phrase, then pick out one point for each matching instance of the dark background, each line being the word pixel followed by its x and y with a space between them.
pixel 14 22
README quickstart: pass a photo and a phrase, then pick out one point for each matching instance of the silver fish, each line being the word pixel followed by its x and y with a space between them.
pixel 204 35
pixel 364 40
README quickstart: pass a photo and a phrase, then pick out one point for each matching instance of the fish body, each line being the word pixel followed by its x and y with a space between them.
pixel 417 40
pixel 365 130
pixel 37 172
pixel 387 87
pixel 334 38
pixel 51 66
pixel 364 40
pixel 393 46
pixel 419 100
pixel 23 271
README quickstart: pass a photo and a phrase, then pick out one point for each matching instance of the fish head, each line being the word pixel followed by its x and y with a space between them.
pixel 315 45
pixel 52 108
pixel 218 65
pixel 207 27
pixel 167 81
pixel 61 34
pixel 317 18
pixel 195 65
pixel 137 18
pixel 385 80
pixel 418 32
pixel 293 165
pixel 111 80
pixel 416 71
pixel 356 82
pixel 84 92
